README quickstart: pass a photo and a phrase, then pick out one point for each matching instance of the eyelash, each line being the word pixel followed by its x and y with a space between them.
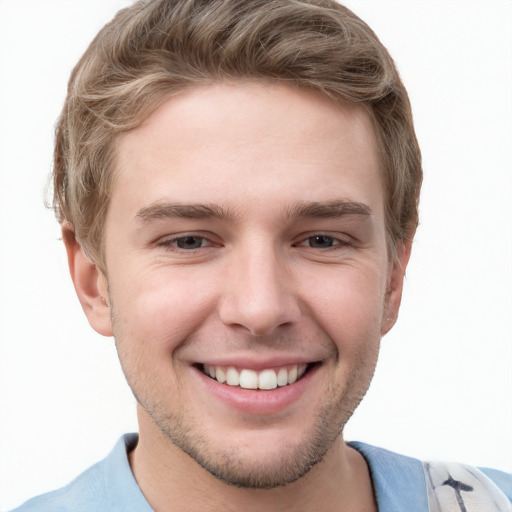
pixel 336 243
pixel 172 243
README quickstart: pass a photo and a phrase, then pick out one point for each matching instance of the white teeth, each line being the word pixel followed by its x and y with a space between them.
pixel 220 375
pixel 282 377
pixel 232 377
pixel 250 379
pixel 267 379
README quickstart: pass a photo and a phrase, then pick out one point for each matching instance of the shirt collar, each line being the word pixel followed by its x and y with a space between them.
pixel 124 493
pixel 398 481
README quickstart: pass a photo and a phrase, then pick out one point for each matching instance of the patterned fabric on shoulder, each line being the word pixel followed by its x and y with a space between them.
pixel 453 487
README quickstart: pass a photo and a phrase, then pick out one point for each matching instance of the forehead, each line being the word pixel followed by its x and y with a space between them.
pixel 231 142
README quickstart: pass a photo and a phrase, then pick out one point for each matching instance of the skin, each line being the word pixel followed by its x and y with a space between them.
pixel 287 262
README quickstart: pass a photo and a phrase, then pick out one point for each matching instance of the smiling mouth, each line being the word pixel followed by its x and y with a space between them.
pixel 266 379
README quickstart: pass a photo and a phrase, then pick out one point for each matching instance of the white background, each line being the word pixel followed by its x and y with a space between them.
pixel 444 383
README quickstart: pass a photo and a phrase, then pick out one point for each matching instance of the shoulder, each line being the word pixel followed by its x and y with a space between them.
pixel 85 493
pixel 400 481
pixel 501 479
pixel 108 486
pixel 449 484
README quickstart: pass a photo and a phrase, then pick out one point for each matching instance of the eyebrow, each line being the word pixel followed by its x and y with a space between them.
pixel 330 209
pixel 158 211
pixel 298 210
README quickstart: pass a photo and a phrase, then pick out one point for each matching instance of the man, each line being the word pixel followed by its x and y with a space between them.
pixel 239 215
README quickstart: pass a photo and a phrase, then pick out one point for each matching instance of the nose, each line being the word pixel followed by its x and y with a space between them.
pixel 258 294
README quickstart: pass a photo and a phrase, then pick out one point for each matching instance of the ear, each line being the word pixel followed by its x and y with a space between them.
pixel 90 283
pixel 394 287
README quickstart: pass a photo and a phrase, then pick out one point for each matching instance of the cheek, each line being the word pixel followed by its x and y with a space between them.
pixel 159 309
pixel 349 306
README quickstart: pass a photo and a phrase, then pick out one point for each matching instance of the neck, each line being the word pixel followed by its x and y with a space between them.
pixel 170 479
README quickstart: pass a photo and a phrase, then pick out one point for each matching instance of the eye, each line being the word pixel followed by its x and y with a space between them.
pixel 321 241
pixel 185 242
pixel 190 242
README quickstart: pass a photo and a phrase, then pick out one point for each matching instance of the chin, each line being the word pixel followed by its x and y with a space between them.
pixel 263 458
pixel 246 467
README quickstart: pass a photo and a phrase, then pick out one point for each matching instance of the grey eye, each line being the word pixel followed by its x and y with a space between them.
pixel 321 241
pixel 189 242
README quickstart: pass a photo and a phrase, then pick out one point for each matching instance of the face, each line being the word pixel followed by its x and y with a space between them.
pixel 248 277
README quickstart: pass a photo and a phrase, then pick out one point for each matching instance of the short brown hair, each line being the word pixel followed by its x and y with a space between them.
pixel 156 48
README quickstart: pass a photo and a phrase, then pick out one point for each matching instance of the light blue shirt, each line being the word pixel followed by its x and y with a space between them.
pixel 109 486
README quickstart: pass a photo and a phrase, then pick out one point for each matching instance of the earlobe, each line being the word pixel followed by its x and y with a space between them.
pixel 90 283
pixel 395 284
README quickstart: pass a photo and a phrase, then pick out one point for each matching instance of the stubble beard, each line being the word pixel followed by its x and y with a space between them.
pixel 236 467
pixel 232 465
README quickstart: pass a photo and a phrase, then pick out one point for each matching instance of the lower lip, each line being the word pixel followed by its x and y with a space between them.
pixel 258 401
